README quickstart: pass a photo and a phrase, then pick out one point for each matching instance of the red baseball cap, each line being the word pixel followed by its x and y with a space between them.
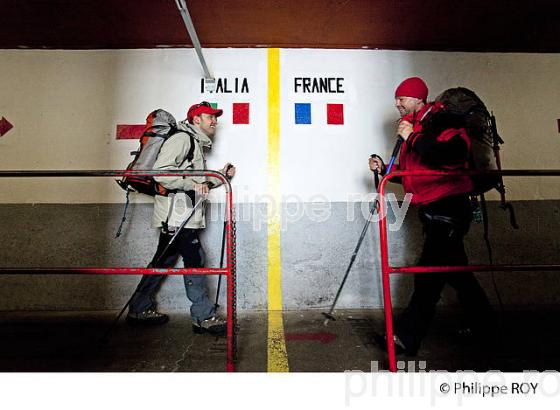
pixel 412 87
pixel 202 108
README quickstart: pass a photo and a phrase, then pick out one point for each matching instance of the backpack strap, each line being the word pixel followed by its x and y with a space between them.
pixel 123 220
pixel 190 154
pixel 189 157
pixel 489 249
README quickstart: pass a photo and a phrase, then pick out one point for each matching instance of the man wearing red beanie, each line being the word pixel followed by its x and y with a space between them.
pixel 431 144
pixel 412 87
pixel 185 149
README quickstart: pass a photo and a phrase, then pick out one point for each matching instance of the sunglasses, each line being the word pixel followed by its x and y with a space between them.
pixel 203 104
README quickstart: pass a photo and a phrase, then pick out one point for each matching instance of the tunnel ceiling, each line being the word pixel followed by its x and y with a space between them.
pixel 447 25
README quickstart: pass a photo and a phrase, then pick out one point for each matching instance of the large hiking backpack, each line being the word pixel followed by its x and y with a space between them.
pixel 471 113
pixel 464 109
pixel 160 125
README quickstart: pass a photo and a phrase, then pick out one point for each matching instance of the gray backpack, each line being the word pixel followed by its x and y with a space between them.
pixel 160 125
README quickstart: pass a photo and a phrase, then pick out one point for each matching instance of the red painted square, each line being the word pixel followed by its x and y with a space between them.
pixel 129 132
pixel 335 114
pixel 241 113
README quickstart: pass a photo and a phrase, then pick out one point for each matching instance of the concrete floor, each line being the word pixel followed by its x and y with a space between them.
pixel 69 341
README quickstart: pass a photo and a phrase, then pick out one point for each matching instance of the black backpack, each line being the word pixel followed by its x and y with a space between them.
pixel 465 109
pixel 160 125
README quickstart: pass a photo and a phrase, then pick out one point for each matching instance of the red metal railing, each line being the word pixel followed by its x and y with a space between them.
pixel 387 270
pixel 229 270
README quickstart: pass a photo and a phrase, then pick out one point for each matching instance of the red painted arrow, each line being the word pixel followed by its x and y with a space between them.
pixel 129 132
pixel 5 126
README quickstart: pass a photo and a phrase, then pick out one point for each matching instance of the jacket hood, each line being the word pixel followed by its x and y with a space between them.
pixel 198 134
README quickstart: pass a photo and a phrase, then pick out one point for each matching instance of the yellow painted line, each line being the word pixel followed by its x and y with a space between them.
pixel 277 355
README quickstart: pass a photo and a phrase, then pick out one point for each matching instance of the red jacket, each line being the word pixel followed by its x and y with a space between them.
pixel 431 188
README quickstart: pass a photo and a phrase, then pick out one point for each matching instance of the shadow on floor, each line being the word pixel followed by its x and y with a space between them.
pixel 70 342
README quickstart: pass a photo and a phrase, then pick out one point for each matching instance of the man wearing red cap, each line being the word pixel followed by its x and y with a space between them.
pixel 431 144
pixel 183 150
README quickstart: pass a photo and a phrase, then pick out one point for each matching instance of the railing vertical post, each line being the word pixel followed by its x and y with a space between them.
pixel 231 336
pixel 385 276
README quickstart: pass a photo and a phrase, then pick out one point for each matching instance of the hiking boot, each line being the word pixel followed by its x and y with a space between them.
pixel 149 317
pixel 213 325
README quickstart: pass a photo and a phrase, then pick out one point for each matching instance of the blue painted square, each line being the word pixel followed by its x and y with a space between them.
pixel 303 113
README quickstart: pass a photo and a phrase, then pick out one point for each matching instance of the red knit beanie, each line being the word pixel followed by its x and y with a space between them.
pixel 412 87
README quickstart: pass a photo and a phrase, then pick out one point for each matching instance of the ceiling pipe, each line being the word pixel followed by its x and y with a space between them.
pixel 209 79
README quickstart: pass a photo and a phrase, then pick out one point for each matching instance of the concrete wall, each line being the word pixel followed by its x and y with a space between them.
pixel 65 106
pixel 314 256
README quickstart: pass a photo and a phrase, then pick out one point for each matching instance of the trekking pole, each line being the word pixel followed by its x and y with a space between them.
pixel 396 149
pixel 107 335
pixel 395 153
pixel 216 305
pixel 329 315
